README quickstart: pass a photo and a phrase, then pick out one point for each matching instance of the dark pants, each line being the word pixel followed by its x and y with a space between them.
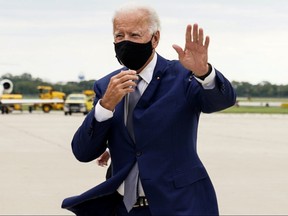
pixel 110 205
pixel 139 211
pixel 121 209
pixel 102 206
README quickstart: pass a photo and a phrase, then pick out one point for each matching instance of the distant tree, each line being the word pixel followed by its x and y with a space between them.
pixel 243 89
pixel 26 84
pixel 282 91
pixel 262 89
pixel 77 87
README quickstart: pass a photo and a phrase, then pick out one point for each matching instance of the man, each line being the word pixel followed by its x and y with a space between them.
pixel 160 148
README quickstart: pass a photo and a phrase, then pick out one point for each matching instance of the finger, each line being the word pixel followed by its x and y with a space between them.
pixel 102 163
pixel 201 36
pixel 195 33
pixel 128 85
pixel 124 73
pixel 207 41
pixel 188 34
pixel 128 78
pixel 179 50
pixel 123 80
pixel 122 77
pixel 119 87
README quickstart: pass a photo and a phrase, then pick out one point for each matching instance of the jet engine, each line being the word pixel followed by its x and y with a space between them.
pixel 6 86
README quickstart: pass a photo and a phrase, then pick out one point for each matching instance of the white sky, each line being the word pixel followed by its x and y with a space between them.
pixel 56 40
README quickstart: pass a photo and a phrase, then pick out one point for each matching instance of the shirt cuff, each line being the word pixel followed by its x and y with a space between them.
pixel 101 114
pixel 209 81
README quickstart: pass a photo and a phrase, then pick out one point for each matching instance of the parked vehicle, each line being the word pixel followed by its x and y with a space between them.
pixel 47 92
pixel 78 103
pixel 48 99
pixel 7 108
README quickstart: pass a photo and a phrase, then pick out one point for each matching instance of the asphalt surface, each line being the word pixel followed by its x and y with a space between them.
pixel 246 156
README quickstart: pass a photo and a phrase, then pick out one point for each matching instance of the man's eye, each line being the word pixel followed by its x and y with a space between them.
pixel 118 36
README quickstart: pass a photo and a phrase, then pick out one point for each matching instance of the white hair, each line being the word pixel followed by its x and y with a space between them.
pixel 153 18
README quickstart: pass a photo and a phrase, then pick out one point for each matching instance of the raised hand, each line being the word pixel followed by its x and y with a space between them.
pixel 194 57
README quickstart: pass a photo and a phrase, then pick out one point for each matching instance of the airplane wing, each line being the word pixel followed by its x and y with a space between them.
pixel 30 101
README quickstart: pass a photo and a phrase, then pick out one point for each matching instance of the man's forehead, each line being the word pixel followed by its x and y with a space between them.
pixel 135 24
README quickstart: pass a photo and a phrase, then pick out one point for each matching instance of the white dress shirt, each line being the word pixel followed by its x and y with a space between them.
pixel 102 114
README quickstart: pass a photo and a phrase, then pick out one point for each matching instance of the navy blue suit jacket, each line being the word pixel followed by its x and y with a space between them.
pixel 165 127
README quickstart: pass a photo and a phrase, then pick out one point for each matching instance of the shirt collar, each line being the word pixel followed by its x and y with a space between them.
pixel 147 73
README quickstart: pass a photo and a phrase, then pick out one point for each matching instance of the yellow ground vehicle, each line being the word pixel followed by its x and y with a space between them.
pixel 89 93
pixel 78 103
pixel 47 92
pixel 48 99
pixel 10 107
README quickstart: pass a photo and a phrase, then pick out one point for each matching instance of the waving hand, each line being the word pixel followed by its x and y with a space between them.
pixel 194 57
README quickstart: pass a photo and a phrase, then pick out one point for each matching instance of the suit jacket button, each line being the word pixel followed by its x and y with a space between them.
pixel 138 153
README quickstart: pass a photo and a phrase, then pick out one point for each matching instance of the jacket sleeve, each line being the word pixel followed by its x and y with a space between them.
pixel 219 98
pixel 90 140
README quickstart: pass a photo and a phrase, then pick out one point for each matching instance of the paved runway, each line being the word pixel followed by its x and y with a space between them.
pixel 246 156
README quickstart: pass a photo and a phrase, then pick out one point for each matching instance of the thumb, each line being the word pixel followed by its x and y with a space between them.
pixel 179 50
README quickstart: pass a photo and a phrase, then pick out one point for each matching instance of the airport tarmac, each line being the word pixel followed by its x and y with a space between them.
pixel 246 156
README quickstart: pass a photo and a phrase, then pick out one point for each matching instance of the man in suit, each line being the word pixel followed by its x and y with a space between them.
pixel 161 150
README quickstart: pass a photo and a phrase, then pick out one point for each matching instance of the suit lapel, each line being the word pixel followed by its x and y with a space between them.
pixel 159 70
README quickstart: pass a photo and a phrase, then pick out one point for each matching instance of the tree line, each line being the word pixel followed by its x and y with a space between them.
pixel 27 85
pixel 262 89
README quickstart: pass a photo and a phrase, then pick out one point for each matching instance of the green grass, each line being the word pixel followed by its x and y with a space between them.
pixel 259 109
pixel 262 110
pixel 263 99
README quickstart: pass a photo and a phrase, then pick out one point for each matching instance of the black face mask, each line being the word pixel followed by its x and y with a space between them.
pixel 133 55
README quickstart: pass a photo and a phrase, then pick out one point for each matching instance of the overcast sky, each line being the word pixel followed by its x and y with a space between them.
pixel 57 40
